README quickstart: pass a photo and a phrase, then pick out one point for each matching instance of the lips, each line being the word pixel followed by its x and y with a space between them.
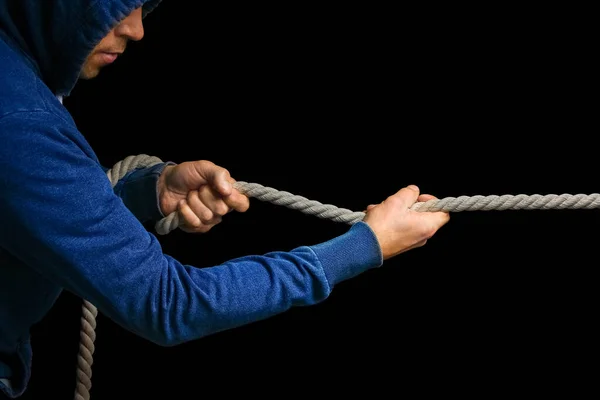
pixel 108 58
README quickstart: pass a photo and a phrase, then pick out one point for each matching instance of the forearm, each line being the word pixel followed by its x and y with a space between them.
pixel 188 303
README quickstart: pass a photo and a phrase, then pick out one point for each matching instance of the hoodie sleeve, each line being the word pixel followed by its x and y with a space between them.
pixel 61 216
pixel 139 192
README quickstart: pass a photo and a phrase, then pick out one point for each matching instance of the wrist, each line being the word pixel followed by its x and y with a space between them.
pixel 161 189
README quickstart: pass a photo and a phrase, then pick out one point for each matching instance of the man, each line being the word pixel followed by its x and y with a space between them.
pixel 64 227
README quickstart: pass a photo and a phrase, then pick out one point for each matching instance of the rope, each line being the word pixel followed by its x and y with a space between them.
pixel 87 335
pixel 450 204
pixel 311 207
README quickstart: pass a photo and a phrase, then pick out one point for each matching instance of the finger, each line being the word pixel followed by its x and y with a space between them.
pixel 407 195
pixel 444 217
pixel 217 177
pixel 202 229
pixel 206 198
pixel 419 244
pixel 191 222
pixel 187 216
pixel 204 206
pixel 237 201
pixel 440 218
pixel 426 197
pixel 202 212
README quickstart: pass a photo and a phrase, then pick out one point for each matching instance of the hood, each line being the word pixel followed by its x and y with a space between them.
pixel 57 35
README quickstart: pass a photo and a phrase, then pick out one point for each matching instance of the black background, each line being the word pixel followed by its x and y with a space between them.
pixel 345 105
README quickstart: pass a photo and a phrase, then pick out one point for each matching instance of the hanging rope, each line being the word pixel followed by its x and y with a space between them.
pixel 311 207
pixel 87 335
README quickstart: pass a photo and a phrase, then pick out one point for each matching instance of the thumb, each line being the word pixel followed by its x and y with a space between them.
pixel 215 176
pixel 369 207
pixel 408 195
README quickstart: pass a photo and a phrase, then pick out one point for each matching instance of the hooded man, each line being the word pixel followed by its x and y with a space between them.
pixel 63 226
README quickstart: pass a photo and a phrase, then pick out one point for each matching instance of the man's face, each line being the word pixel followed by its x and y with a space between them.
pixel 113 44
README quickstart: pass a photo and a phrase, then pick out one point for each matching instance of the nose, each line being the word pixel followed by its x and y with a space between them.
pixel 131 27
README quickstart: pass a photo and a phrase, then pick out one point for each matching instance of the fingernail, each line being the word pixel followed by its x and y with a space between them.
pixel 413 187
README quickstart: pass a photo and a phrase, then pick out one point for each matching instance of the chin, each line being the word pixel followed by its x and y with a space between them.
pixel 89 72
pixel 87 75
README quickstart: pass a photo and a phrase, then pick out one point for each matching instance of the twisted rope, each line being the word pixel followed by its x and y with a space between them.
pixel 311 207
pixel 449 204
pixel 87 335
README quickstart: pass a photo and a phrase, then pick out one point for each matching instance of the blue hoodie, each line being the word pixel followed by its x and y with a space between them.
pixel 64 227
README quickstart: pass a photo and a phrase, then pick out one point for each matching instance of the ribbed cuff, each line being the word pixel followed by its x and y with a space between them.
pixel 350 254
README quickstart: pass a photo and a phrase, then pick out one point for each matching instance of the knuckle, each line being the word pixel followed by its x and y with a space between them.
pixel 205 163
pixel 428 231
pixel 239 203
pixel 203 191
pixel 193 222
pixel 193 195
pixel 394 201
pixel 204 228
pixel 205 215
pixel 221 209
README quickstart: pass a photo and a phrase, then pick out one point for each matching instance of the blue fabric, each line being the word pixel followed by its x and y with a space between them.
pixel 138 191
pixel 64 227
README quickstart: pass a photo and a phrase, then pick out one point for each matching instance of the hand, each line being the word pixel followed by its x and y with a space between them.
pixel 201 192
pixel 397 227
